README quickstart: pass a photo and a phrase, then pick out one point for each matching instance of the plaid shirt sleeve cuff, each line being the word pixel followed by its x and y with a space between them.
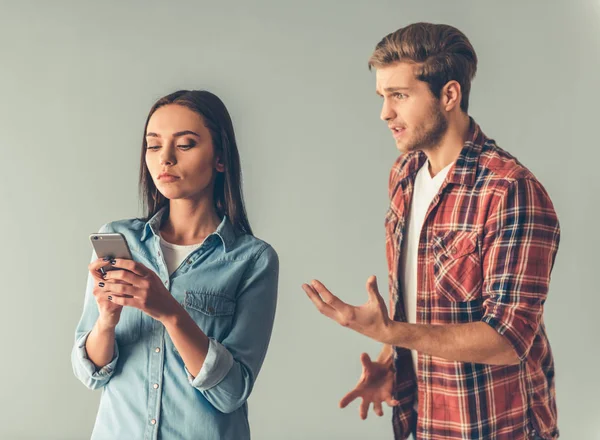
pixel 520 338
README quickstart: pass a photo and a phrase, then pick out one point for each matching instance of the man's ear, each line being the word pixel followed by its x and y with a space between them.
pixel 451 95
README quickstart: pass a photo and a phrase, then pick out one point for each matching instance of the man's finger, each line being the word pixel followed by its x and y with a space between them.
pixel 365 359
pixel 373 290
pixel 329 298
pixel 324 308
pixel 364 409
pixel 349 398
pixel 391 402
pixel 377 409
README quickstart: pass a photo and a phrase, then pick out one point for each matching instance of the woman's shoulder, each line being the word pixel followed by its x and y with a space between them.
pixel 124 226
pixel 254 247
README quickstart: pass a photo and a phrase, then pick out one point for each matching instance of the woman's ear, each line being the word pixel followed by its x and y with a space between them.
pixel 219 165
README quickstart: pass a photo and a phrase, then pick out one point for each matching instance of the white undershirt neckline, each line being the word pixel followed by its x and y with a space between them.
pixel 175 254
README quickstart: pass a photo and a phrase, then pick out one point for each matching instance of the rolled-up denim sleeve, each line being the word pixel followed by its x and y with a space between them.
pixel 83 368
pixel 216 365
pixel 234 362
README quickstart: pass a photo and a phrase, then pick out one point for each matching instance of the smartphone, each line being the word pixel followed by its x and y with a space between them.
pixel 110 245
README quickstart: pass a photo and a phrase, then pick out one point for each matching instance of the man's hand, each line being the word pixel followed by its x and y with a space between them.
pixel 371 319
pixel 374 387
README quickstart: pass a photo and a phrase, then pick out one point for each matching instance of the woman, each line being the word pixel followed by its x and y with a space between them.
pixel 177 337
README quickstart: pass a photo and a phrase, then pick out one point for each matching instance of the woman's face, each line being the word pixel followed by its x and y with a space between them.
pixel 180 154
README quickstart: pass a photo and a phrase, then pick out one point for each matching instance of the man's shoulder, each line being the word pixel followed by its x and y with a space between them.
pixel 497 163
pixel 501 173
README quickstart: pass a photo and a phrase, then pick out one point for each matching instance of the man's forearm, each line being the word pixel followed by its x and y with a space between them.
pixel 474 342
pixel 386 355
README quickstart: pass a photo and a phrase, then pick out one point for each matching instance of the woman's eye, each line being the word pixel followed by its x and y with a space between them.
pixel 187 146
pixel 153 147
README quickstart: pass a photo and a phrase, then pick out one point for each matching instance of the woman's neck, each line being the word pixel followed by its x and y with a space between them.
pixel 189 222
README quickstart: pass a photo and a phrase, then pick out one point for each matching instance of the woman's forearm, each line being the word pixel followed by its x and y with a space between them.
pixel 189 339
pixel 100 344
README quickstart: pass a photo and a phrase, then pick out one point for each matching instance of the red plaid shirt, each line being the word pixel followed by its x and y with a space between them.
pixel 486 252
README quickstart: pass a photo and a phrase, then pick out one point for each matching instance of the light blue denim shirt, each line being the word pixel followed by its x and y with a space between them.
pixel 229 287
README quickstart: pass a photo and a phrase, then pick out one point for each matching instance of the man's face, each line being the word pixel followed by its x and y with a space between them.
pixel 411 111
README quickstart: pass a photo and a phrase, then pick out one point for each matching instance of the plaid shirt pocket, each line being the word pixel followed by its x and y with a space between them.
pixel 457 268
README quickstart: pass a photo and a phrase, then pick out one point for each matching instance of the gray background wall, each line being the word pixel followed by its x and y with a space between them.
pixel 77 80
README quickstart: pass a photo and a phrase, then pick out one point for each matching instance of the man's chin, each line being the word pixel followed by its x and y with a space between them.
pixel 403 147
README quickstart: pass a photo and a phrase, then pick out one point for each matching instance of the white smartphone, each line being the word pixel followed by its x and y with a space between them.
pixel 110 245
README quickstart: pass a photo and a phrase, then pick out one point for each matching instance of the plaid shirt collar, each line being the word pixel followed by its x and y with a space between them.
pixel 465 168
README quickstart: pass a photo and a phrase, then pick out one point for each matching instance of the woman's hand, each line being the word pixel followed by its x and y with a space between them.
pixel 110 313
pixel 133 284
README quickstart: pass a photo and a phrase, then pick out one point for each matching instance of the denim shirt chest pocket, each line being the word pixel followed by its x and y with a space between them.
pixel 211 311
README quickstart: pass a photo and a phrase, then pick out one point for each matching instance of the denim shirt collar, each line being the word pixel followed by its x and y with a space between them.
pixel 224 232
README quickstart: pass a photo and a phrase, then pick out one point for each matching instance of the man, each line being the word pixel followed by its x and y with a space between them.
pixel 471 242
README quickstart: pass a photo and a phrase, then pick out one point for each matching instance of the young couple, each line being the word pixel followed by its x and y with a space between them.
pixel 176 338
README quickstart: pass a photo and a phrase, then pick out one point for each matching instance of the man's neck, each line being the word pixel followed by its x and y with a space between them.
pixel 448 150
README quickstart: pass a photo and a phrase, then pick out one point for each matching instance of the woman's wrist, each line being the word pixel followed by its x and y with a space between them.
pixel 104 325
pixel 174 316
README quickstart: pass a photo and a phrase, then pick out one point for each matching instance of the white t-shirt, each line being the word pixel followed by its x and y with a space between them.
pixel 425 189
pixel 175 254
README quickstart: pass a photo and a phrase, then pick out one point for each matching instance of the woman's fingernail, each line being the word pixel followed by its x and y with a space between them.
pixel 113 262
pixel 105 276
pixel 109 298
pixel 101 284
pixel 106 258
